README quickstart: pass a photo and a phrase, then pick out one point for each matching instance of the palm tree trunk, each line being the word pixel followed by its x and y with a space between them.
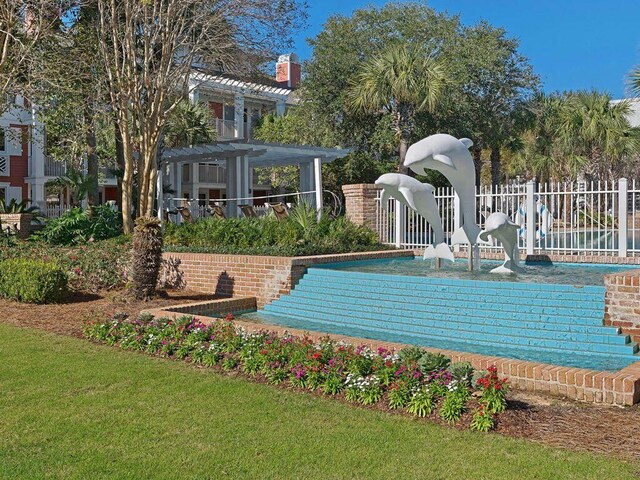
pixel 477 161
pixel 495 166
pixel 403 145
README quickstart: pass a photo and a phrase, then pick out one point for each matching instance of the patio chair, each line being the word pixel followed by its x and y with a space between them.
pixel 217 211
pixel 185 213
pixel 280 210
pixel 248 211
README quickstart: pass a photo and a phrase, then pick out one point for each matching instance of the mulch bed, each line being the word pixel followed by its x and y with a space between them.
pixel 600 429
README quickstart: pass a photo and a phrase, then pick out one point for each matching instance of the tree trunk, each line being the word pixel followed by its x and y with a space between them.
pixel 402 152
pixel 119 160
pixel 477 161
pixel 495 166
pixel 92 156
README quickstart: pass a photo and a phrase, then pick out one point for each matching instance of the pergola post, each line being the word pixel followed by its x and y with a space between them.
pixel 317 169
pixel 160 193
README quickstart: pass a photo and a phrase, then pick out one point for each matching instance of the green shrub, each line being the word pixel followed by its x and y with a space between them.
pixel 299 235
pixel 78 226
pixel 90 267
pixel 32 281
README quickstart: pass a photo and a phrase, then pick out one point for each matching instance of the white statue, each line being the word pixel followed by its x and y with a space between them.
pixel 451 157
pixel 421 198
pixel 500 227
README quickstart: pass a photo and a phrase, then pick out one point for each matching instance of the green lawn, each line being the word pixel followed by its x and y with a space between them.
pixel 70 409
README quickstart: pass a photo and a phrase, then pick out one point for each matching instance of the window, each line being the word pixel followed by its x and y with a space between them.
pixel 3 193
pixel 229 112
pixel 2 140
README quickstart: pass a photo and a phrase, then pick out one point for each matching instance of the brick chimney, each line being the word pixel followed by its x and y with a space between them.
pixel 288 70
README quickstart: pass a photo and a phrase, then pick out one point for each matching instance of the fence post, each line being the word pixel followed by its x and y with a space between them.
pixel 457 217
pixel 399 220
pixel 530 206
pixel 623 233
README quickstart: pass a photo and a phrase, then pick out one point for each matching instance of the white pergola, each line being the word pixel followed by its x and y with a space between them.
pixel 241 157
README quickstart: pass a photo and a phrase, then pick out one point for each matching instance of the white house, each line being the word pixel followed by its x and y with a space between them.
pixel 236 106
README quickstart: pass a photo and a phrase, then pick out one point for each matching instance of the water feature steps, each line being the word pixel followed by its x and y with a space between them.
pixel 521 317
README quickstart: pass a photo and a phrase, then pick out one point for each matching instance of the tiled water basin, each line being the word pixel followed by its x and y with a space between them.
pixel 598 362
pixel 556 273
pixel 550 313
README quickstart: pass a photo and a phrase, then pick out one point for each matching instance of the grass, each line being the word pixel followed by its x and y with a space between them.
pixel 71 409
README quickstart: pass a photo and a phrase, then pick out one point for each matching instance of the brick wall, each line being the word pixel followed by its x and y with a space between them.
pixel 622 302
pixel 265 278
pixel 360 204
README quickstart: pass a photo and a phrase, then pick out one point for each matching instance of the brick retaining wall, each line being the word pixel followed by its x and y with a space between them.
pixel 265 278
pixel 622 302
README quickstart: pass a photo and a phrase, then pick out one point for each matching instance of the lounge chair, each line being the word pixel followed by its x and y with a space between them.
pixel 248 211
pixel 217 211
pixel 280 210
pixel 185 213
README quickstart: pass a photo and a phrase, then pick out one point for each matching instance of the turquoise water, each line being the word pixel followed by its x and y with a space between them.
pixel 558 273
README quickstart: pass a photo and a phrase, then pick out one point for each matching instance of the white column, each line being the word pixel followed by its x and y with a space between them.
pixel 37 193
pixel 178 185
pixel 195 181
pixel 245 177
pixel 232 187
pixel 623 233
pixel 317 170
pixel 530 205
pixel 160 193
pixel 281 108
pixel 238 107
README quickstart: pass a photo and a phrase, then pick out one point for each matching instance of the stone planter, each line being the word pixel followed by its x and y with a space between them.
pixel 17 222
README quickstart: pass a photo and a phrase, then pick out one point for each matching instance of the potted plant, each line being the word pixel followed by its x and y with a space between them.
pixel 17 216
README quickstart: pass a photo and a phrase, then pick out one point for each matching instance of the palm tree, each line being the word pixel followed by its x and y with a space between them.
pixel 634 81
pixel 76 182
pixel 401 80
pixel 188 124
pixel 595 134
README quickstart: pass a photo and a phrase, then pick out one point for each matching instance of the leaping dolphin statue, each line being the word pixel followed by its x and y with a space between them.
pixel 451 157
pixel 499 226
pixel 421 198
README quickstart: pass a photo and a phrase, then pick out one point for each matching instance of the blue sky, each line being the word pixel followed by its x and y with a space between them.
pixel 573 44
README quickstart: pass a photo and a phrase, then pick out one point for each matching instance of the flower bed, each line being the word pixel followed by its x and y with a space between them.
pixel 419 382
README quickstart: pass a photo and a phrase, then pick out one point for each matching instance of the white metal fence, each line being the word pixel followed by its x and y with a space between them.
pixel 597 218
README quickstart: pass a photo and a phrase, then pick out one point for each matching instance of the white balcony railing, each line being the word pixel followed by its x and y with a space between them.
pixel 225 128
pixel 53 168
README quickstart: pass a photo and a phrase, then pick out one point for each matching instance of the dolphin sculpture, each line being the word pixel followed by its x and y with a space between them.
pixel 451 157
pixel 499 226
pixel 420 197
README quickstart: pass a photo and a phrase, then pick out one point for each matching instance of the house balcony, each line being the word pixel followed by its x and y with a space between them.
pixel 53 168
pixel 225 129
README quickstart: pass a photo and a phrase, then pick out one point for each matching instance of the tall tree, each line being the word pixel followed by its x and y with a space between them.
pixel 24 24
pixel 595 134
pixel 495 85
pixel 401 80
pixel 150 49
